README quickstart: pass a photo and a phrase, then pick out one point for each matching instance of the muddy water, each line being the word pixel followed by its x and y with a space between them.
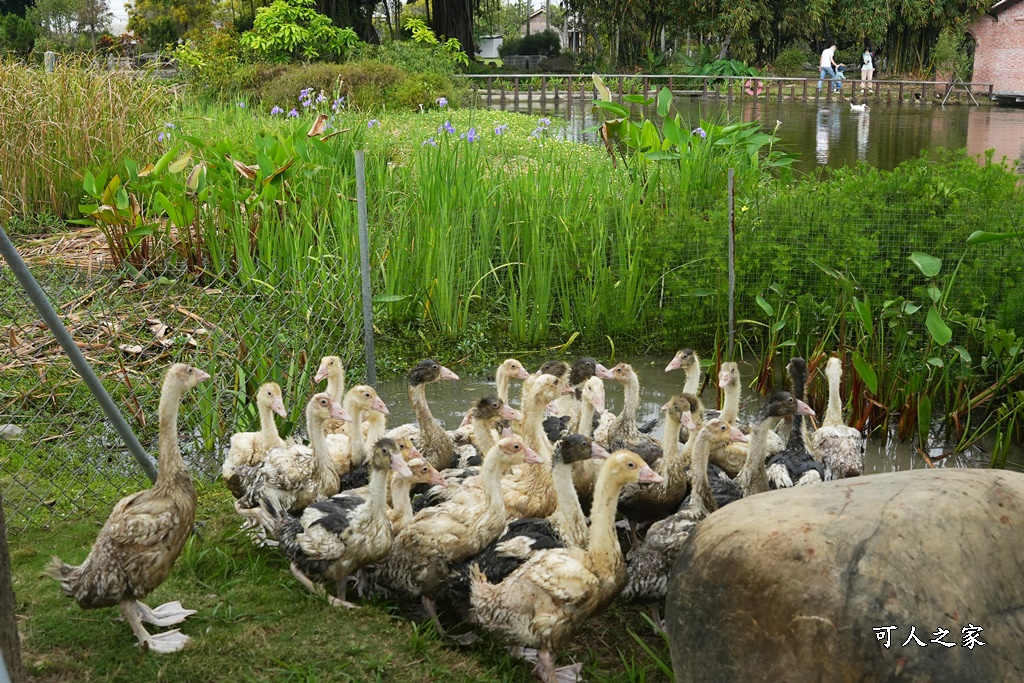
pixel 450 400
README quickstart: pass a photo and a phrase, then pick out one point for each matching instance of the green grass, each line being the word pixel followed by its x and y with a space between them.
pixel 256 623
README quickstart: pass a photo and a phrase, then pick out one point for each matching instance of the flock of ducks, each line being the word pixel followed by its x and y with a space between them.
pixel 511 517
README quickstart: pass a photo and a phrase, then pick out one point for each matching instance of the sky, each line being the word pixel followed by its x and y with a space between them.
pixel 117 25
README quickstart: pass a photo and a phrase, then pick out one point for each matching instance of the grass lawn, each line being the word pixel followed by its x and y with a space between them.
pixel 256 623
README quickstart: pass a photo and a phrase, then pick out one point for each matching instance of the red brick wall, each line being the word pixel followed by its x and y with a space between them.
pixel 999 55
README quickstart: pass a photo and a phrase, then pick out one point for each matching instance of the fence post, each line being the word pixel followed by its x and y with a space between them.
pixel 364 268
pixel 10 648
pixel 732 266
pixel 52 320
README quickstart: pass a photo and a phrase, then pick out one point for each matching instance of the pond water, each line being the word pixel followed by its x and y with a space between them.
pixel 831 135
pixel 450 400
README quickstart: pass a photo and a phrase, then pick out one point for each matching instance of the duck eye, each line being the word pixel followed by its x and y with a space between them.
pixel 632 464
pixel 516 447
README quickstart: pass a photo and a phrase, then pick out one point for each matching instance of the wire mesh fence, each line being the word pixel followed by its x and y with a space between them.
pixel 59 456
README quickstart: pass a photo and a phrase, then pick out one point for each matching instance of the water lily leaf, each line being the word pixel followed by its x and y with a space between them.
pixel 982 237
pixel 765 306
pixel 926 263
pixel 937 327
pixel 866 372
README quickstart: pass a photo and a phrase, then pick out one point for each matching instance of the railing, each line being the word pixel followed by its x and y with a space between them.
pixel 517 90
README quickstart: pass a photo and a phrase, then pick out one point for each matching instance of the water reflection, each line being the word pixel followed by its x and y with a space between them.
pixel 831 135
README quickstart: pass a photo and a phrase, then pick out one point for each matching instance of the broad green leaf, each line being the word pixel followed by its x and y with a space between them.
pixel 603 92
pixel 937 327
pixel 673 133
pixel 180 163
pixel 964 355
pixel 935 362
pixel 982 237
pixel 663 155
pixel 89 184
pixel 924 419
pixel 390 298
pixel 866 372
pixel 765 306
pixel 778 325
pixel 664 101
pixel 863 309
pixel 934 293
pixel 164 161
pixel 788 342
pixel 638 99
pixel 927 264
pixel 613 107
pixel 910 308
pixel 142 231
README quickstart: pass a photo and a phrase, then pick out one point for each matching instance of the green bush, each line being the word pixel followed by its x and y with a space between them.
pixel 217 65
pixel 544 43
pixel 17 35
pixel 365 85
pixel 790 62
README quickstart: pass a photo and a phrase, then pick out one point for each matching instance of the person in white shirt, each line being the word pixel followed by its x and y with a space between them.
pixel 827 64
pixel 867 69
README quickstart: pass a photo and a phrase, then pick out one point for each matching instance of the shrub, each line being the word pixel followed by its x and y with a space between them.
pixel 290 29
pixel 544 43
pixel 216 65
pixel 17 35
pixel 790 62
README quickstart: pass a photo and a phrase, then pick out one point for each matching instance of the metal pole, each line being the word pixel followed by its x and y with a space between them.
pixel 732 265
pixel 364 268
pixel 52 320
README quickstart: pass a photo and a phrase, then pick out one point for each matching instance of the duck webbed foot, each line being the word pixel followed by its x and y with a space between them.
pixel 546 671
pixel 166 614
pixel 171 641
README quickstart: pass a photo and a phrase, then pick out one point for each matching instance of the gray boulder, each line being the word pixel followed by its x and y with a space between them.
pixel 803 584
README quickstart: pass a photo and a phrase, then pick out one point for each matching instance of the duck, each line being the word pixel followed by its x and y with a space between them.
pixel 731 456
pixel 838 446
pixel 350 451
pixel 247 449
pixel 623 432
pixel 143 536
pixel 357 478
pixel 509 369
pixel 565 528
pixel 753 478
pixel 545 601
pixel 795 466
pixel 400 494
pixel 333 370
pixel 656 501
pixel 689 361
pixel 335 537
pixel 293 477
pixel 649 567
pixel 859 107
pixel 569 406
pixel 424 552
pixel 436 445
pixel 555 368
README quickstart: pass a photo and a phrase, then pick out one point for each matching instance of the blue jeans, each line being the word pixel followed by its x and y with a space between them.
pixel 826 71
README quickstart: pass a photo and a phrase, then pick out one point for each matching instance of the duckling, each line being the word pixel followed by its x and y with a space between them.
pixel 795 466
pixel 623 433
pixel 548 598
pixel 248 449
pixel 335 537
pixel 840 447
pixel 351 450
pixel 434 442
pixel 143 536
pixel 333 370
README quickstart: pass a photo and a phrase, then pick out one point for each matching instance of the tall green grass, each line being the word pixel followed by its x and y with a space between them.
pixel 54 126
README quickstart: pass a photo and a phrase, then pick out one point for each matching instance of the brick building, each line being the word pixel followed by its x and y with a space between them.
pixel 999 51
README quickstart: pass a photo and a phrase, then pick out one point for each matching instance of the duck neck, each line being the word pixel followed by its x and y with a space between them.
pixel 692 384
pixel 834 412
pixel 268 428
pixel 318 441
pixel 336 386
pixel 568 513
pixel 501 380
pixel 533 428
pixel 797 433
pixel 437 446
pixel 483 434
pixel 376 426
pixel 378 491
pixel 630 405
pixel 493 469
pixel 670 439
pixel 171 466
pixel 731 402
pixel 604 543
pixel 401 502
pixel 586 425
pixel 356 438
pixel 752 477
pixel 702 499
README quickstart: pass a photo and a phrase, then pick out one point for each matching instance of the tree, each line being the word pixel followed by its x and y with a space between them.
pixel 288 29
pixel 17 35
pixel 454 19
pixel 55 21
pixel 93 16
pixel 164 21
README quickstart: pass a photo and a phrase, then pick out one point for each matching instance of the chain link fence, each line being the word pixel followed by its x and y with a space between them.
pixel 60 457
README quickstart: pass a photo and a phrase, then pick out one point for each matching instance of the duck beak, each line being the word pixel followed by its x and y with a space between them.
pixel 414 452
pixel 466 420
pixel 649 476
pixel 723 378
pixel 398 464
pixel 447 374
pixel 379 406
pixel 597 451
pixel 507 433
pixel 277 405
pixel 675 364
pixel 804 409
pixel 599 404
pixel 509 413
pixel 687 421
pixel 338 413
pixel 522 373
pixel 532 456
pixel 603 372
pixel 567 390
pixel 436 478
pixel 550 407
pixel 321 374
pixel 200 375
pixel 737 435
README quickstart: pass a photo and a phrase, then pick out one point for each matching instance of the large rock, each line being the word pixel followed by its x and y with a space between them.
pixel 791 585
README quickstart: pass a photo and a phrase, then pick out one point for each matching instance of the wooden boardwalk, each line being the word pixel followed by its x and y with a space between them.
pixel 525 91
